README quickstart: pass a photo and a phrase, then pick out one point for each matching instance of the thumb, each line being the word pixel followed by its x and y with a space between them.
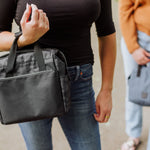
pixel 97 112
pixel 26 14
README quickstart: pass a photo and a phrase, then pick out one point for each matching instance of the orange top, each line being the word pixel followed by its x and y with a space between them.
pixel 134 15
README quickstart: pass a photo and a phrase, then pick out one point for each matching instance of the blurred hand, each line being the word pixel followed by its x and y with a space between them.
pixel 103 106
pixel 141 56
pixel 35 28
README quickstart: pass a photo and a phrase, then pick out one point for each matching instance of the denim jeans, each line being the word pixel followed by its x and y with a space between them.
pixel 133 111
pixel 79 125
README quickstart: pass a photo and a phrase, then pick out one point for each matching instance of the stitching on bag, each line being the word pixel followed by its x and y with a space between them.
pixel 60 84
pixel 25 76
pixel 24 63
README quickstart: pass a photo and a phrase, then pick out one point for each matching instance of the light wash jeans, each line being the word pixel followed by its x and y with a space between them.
pixel 79 125
pixel 134 112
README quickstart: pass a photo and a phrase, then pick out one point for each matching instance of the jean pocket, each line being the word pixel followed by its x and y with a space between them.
pixel 86 72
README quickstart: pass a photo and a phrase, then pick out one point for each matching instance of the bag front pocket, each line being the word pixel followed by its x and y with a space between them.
pixel 31 97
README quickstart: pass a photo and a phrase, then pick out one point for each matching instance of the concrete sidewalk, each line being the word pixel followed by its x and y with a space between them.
pixel 112 133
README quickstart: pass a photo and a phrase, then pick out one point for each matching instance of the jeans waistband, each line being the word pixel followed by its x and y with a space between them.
pixel 79 70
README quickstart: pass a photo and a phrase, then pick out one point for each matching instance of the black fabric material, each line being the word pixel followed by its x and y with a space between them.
pixel 33 92
pixel 39 57
pixel 12 55
pixel 70 23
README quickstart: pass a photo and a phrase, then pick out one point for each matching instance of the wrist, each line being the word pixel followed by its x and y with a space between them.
pixel 107 86
pixel 22 41
pixel 107 89
pixel 106 92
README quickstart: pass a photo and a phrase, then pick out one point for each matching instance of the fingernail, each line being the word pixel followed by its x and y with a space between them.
pixel 33 4
pixel 97 115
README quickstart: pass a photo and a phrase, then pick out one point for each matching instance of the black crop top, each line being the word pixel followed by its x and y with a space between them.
pixel 70 23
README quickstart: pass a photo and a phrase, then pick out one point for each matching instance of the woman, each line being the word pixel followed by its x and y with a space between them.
pixel 66 25
pixel 135 46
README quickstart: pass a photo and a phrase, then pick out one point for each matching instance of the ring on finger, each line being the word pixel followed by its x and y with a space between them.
pixel 106 117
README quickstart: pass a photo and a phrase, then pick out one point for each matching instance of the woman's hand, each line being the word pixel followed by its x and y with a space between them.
pixel 103 106
pixel 141 56
pixel 35 28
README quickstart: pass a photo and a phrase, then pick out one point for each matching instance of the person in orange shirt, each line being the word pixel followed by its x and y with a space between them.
pixel 135 45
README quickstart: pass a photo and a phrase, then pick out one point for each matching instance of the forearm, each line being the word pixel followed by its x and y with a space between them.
pixel 107 53
pixel 6 40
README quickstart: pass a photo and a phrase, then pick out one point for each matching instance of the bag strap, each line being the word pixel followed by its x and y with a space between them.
pixel 139 70
pixel 37 53
pixel 39 57
pixel 12 54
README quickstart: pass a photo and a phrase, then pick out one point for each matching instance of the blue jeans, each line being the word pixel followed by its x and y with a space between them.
pixel 134 112
pixel 79 125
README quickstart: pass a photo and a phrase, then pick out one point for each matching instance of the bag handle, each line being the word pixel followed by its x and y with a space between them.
pixel 38 57
pixel 139 70
pixel 13 53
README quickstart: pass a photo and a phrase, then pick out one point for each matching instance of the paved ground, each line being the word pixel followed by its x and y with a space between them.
pixel 112 133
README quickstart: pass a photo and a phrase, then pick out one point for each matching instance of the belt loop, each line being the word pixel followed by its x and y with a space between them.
pixel 77 73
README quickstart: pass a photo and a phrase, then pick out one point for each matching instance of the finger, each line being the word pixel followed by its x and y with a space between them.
pixel 26 14
pixel 107 118
pixel 41 16
pixel 44 17
pixel 147 54
pixel 47 22
pixel 102 116
pixel 40 10
pixel 146 60
pixel 97 115
pixel 142 63
pixel 35 13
